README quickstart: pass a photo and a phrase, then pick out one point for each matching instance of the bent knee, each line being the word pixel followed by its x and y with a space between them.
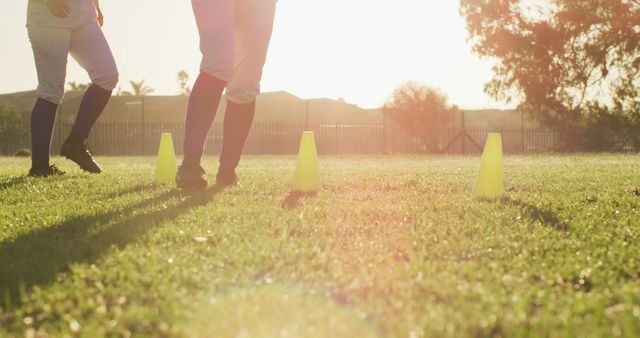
pixel 242 95
pixel 51 93
pixel 108 80
pixel 56 99
pixel 218 64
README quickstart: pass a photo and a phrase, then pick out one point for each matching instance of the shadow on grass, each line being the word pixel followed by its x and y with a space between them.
pixel 138 188
pixel 294 198
pixel 546 217
pixel 19 180
pixel 11 182
pixel 36 258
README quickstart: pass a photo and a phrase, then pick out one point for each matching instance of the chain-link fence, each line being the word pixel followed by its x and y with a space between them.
pixel 122 139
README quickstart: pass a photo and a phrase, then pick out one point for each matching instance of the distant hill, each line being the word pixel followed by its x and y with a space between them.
pixel 270 107
pixel 278 106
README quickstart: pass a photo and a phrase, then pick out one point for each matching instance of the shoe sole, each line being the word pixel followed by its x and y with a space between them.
pixel 79 165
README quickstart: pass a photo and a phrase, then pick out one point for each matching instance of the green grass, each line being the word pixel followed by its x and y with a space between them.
pixel 391 247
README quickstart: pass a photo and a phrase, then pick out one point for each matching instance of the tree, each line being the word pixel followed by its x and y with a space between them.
pixel 569 63
pixel 183 83
pixel 420 110
pixel 138 89
pixel 75 87
pixel 14 132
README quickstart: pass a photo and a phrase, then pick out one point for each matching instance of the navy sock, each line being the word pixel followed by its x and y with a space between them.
pixel 94 101
pixel 74 138
pixel 43 117
pixel 237 124
pixel 203 105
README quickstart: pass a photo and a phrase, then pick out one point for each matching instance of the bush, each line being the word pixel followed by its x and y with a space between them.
pixel 14 132
pixel 421 110
pixel 609 130
pixel 22 153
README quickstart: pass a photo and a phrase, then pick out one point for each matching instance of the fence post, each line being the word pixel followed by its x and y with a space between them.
pixel 393 139
pixel 336 144
pixel 384 136
pixel 277 130
pixel 464 130
pixel 523 137
pixel 144 132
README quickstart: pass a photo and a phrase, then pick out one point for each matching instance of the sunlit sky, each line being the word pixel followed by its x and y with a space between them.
pixel 359 50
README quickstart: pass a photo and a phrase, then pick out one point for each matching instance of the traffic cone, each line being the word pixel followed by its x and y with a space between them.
pixel 490 182
pixel 307 177
pixel 166 166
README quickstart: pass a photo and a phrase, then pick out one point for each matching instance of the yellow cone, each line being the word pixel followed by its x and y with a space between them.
pixel 166 166
pixel 307 177
pixel 490 182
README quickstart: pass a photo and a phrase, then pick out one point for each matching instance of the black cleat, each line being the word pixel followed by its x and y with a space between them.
pixel 45 171
pixel 80 154
pixel 191 177
pixel 226 179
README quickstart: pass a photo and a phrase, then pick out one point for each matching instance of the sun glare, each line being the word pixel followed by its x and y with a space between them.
pixel 357 50
pixel 362 50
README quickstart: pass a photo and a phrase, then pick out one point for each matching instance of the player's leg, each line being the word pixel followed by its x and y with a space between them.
pixel 215 21
pixel 90 48
pixel 50 50
pixel 254 24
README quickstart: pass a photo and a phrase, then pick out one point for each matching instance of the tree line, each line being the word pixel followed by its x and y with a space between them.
pixel 572 65
pixel 137 88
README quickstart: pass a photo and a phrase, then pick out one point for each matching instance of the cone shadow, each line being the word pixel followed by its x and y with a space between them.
pixel 294 198
pixel 545 217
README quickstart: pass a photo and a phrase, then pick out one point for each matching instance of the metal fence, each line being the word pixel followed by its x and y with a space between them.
pixel 121 139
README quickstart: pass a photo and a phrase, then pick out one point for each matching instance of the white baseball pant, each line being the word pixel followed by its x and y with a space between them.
pixel 234 38
pixel 80 35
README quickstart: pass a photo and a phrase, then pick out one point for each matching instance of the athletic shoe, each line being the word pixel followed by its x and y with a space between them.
pixel 80 154
pixel 191 177
pixel 226 179
pixel 45 171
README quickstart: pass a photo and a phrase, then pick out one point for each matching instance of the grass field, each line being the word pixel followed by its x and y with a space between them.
pixel 391 247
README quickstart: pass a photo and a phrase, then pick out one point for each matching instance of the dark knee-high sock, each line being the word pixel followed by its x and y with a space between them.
pixel 43 117
pixel 94 101
pixel 203 105
pixel 237 124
